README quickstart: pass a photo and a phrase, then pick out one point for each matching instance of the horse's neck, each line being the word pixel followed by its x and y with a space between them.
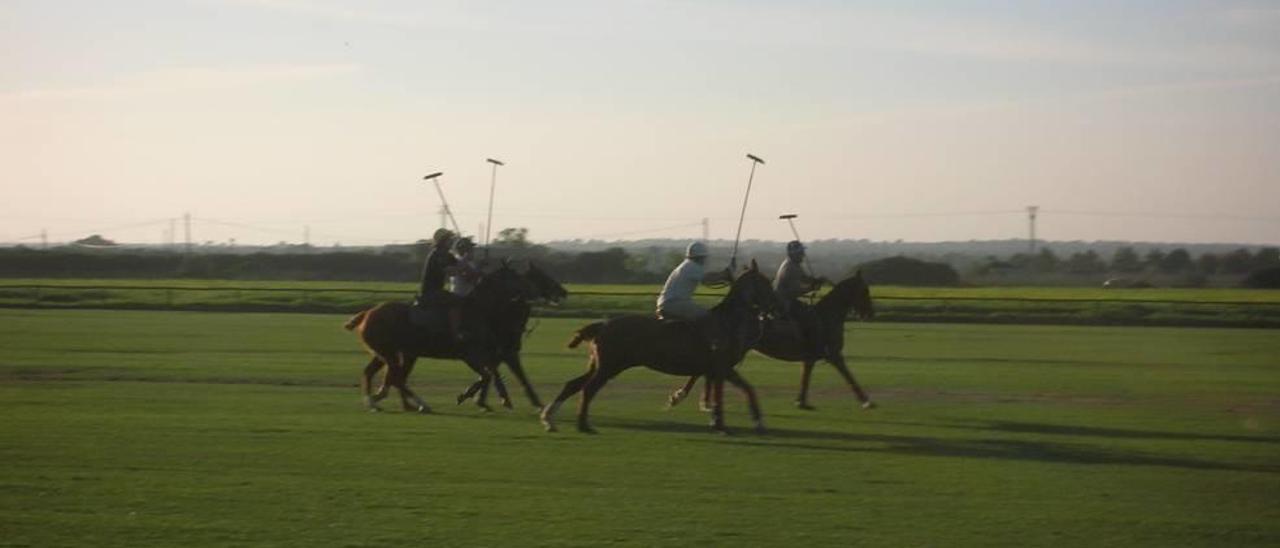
pixel 835 304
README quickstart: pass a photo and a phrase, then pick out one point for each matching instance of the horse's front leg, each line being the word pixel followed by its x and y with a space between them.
pixel 680 393
pixel 838 362
pixel 754 403
pixel 517 369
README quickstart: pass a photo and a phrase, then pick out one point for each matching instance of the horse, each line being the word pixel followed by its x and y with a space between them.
pixel 510 327
pixel 675 347
pixel 396 342
pixel 782 340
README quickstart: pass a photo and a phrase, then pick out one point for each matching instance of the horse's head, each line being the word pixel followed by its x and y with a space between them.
pixel 504 283
pixel 544 286
pixel 855 290
pixel 753 289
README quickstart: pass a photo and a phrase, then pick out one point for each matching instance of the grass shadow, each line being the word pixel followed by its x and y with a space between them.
pixel 924 446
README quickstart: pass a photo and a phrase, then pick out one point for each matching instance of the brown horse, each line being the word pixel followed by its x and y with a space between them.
pixel 782 340
pixel 396 342
pixel 675 348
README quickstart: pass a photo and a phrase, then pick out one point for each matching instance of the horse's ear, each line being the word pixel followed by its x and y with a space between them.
pixel 857 274
pixel 754 266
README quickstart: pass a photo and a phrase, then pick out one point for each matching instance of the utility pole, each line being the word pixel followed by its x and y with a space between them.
pixel 706 229
pixel 1031 218
pixel 186 220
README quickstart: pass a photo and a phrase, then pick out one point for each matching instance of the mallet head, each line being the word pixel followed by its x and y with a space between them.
pixel 432 176
pixel 788 216
pixel 494 162
pixel 755 158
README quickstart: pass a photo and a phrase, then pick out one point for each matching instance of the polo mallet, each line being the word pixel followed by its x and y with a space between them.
pixel 733 258
pixel 790 218
pixel 433 178
pixel 493 183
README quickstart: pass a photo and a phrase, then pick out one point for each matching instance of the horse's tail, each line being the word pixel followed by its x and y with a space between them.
pixel 587 333
pixel 355 320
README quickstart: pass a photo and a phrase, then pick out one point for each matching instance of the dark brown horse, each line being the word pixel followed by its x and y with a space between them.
pixel 396 342
pixel 675 348
pixel 782 340
pixel 510 326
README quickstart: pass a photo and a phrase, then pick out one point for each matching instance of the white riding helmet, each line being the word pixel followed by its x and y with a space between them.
pixel 695 250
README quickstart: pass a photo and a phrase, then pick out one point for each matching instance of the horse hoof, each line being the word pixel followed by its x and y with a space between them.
pixel 375 409
pixel 484 408
pixel 461 398
pixel 587 429
pixel 868 405
pixel 704 407
pixel 760 429
pixel 805 406
pixel 507 404
pixel 423 410
pixel 549 427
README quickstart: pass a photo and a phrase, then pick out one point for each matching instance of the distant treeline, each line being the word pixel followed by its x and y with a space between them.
pixel 1124 265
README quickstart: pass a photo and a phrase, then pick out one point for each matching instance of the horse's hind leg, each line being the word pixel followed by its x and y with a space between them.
pixel 409 401
pixel 366 382
pixel 593 385
pixel 570 388
pixel 754 403
pixel 679 395
pixel 802 401
pixel 838 362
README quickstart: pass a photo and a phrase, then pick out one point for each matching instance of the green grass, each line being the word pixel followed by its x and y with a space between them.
pixel 130 428
pixel 1083 306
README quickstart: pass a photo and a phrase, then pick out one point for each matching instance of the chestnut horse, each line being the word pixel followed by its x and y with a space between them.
pixel 396 342
pixel 676 348
pixel 782 340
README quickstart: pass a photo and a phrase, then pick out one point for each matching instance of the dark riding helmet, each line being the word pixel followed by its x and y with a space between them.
pixel 794 247
pixel 442 236
pixel 463 245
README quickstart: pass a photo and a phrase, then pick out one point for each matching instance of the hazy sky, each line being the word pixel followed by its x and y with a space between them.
pixel 1143 120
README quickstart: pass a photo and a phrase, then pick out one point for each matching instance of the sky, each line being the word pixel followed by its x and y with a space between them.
pixel 293 120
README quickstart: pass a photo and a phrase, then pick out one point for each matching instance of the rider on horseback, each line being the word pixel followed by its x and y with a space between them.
pixel 676 299
pixel 431 294
pixel 792 283
pixel 468 272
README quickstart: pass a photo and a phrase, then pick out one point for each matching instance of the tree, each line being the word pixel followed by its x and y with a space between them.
pixel 1152 260
pixel 907 271
pixel 513 237
pixel 1087 262
pixel 1265 257
pixel 96 241
pixel 1126 259
pixel 1239 261
pixel 1176 261
pixel 1045 261
pixel 1208 263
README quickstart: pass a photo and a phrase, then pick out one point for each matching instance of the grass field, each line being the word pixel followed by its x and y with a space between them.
pixel 134 428
pixel 1080 306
